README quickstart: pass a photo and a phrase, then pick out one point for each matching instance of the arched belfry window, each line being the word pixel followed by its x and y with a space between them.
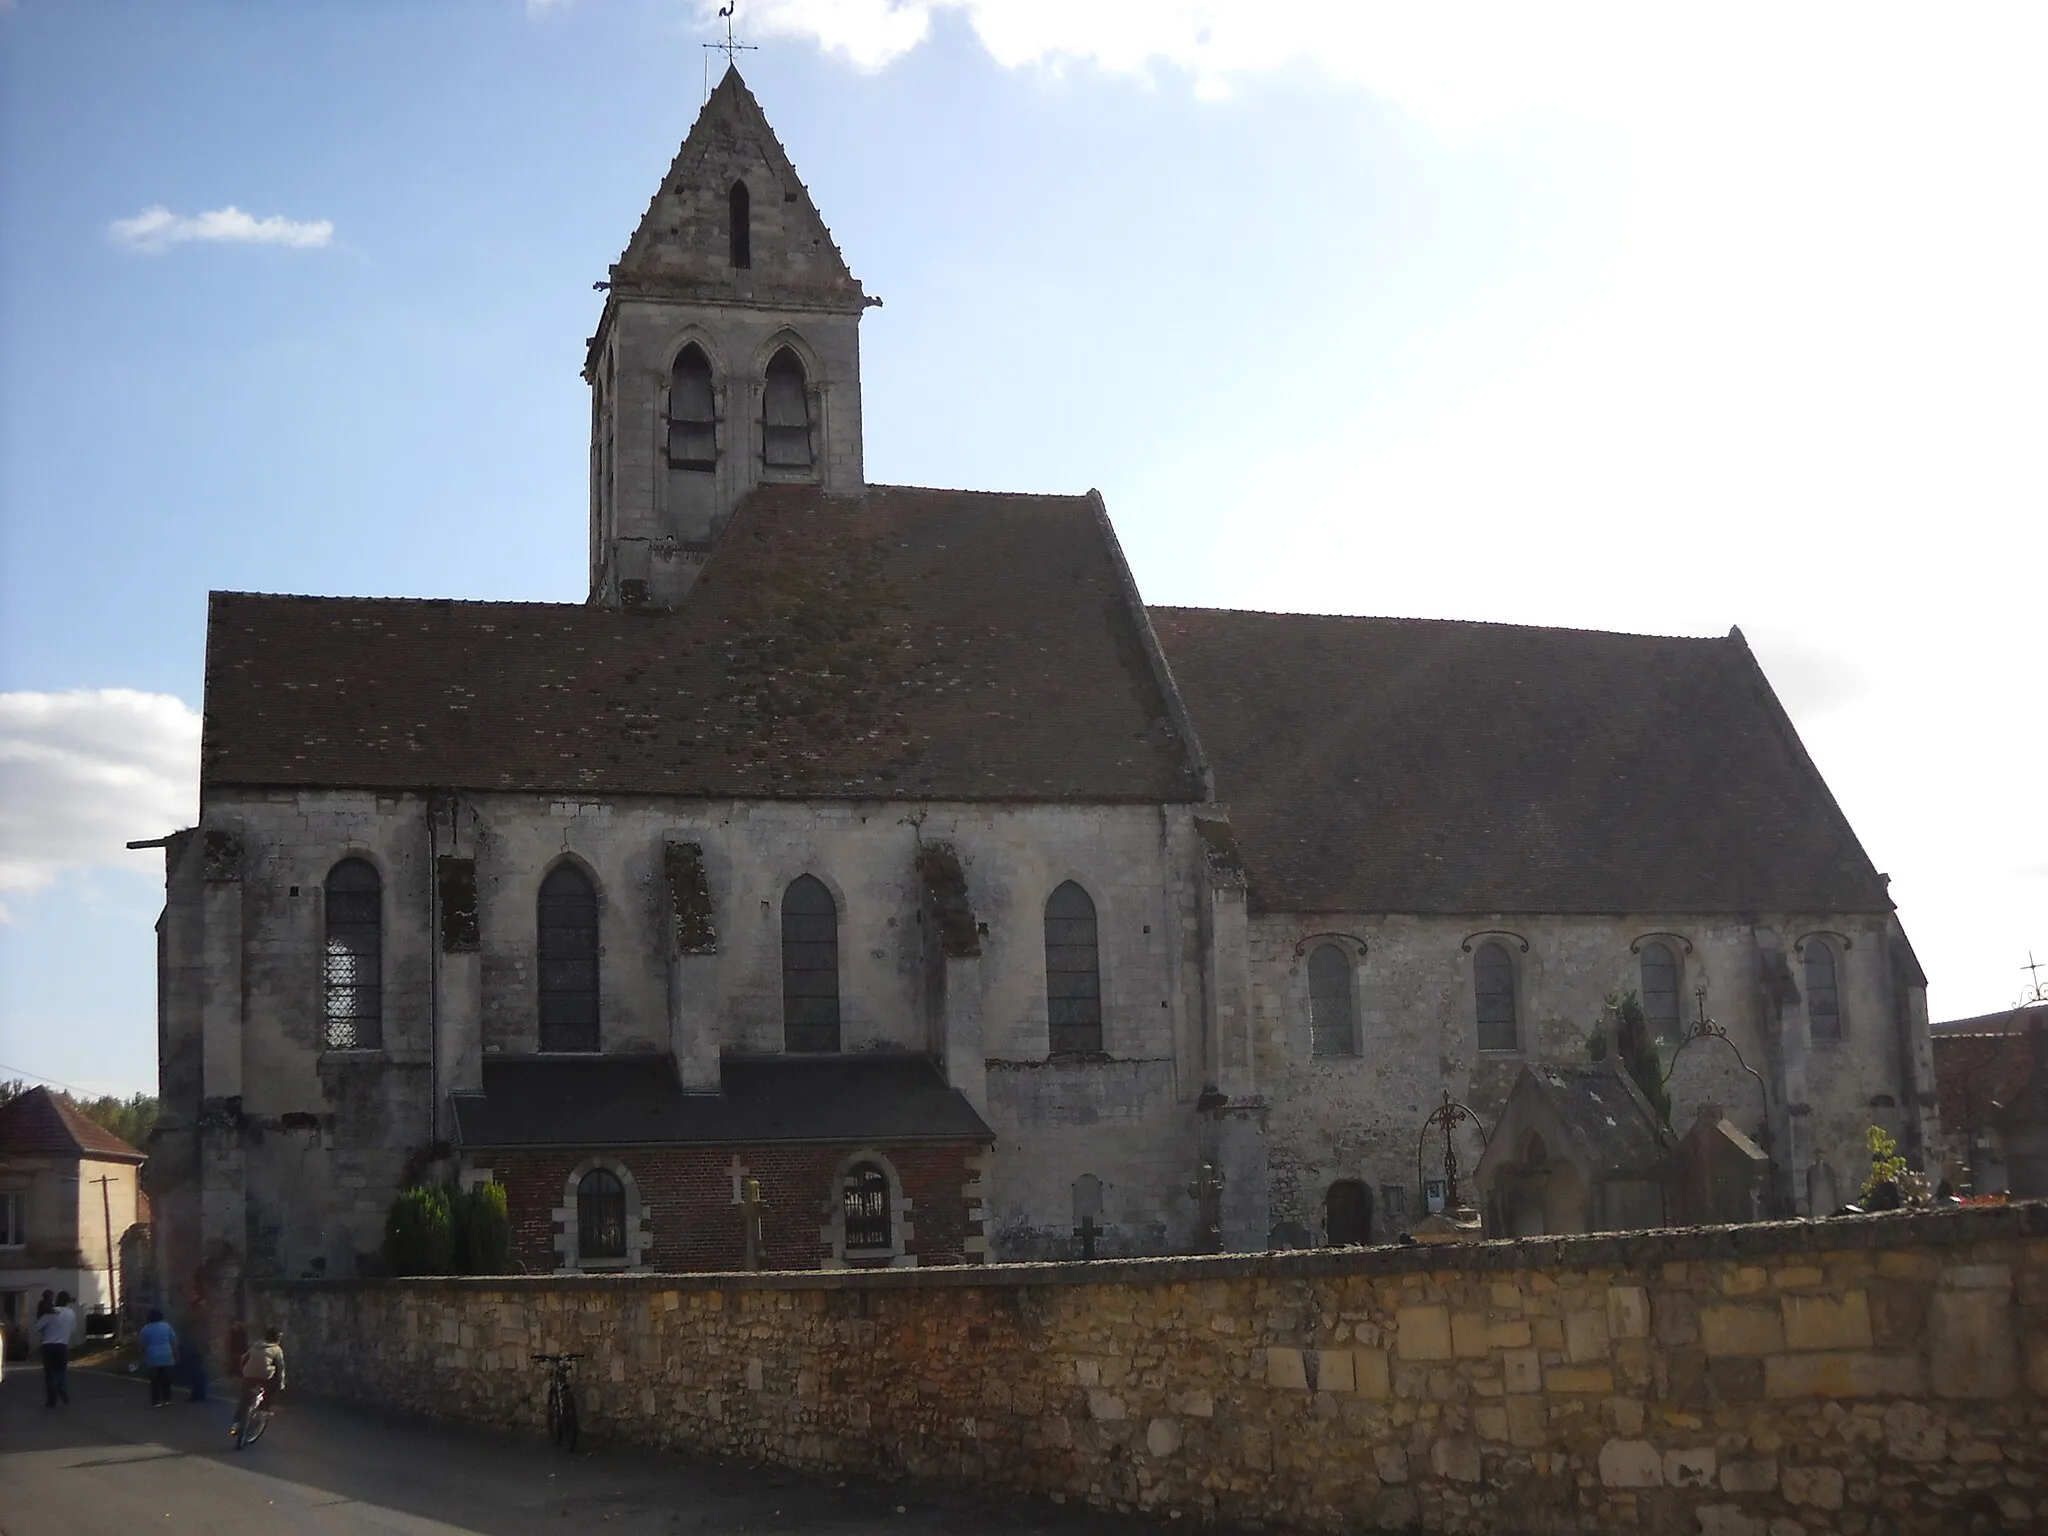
pixel 1823 991
pixel 568 961
pixel 810 967
pixel 600 1216
pixel 740 216
pixel 786 414
pixel 1073 972
pixel 352 960
pixel 1493 985
pixel 692 414
pixel 1331 1027
pixel 1660 989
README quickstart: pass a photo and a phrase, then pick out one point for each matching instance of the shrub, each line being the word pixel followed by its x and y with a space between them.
pixel 483 1230
pixel 1638 1053
pixel 419 1234
pixel 1890 1182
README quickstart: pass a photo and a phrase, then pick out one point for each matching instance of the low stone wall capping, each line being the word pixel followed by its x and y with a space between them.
pixel 1866 1375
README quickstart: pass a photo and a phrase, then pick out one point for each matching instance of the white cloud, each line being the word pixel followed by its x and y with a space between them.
pixel 156 229
pixel 84 773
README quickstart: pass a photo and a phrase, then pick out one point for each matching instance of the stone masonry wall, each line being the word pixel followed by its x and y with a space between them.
pixel 1880 1374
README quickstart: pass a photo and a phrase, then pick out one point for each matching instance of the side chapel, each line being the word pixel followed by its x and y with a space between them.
pixel 880 846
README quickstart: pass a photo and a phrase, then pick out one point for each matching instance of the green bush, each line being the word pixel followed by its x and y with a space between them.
pixel 419 1234
pixel 483 1230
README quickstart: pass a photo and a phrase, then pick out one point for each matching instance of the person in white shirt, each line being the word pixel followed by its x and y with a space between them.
pixel 52 1332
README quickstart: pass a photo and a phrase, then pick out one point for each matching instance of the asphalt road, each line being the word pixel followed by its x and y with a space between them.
pixel 111 1463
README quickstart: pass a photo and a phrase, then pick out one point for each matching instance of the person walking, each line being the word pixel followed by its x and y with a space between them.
pixel 52 1334
pixel 159 1353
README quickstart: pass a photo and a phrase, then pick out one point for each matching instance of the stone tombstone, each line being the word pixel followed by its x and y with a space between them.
pixel 1718 1175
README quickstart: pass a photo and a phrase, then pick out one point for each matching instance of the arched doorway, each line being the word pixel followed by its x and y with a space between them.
pixel 1347 1214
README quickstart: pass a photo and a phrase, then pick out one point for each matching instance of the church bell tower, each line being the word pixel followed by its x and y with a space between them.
pixel 728 354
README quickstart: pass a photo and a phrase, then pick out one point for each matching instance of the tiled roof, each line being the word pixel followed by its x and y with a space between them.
pixel 1606 1115
pixel 2006 1021
pixel 1978 1071
pixel 634 1101
pixel 1404 765
pixel 40 1123
pixel 900 643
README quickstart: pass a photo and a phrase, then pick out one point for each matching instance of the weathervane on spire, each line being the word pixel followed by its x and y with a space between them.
pixel 731 49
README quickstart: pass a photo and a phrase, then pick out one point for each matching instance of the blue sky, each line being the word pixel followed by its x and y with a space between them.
pixel 1599 320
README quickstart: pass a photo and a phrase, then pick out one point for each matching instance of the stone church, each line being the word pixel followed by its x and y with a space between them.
pixel 878 854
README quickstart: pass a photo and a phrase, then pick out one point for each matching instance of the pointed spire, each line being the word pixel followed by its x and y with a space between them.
pixel 685 246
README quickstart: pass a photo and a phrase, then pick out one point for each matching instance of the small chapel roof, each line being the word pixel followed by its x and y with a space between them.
pixel 900 643
pixel 1412 765
pixel 1607 1125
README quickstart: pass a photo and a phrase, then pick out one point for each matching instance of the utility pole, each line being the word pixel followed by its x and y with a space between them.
pixel 113 1259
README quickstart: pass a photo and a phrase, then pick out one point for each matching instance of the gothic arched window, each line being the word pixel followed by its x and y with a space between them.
pixel 692 416
pixel 352 960
pixel 600 1216
pixel 864 1200
pixel 1493 986
pixel 786 414
pixel 810 967
pixel 1660 989
pixel 1823 991
pixel 740 217
pixel 568 961
pixel 1331 1032
pixel 1073 972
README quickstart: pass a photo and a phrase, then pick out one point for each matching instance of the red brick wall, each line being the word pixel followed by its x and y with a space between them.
pixel 686 1197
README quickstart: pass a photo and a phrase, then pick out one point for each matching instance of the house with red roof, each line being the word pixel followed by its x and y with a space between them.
pixel 69 1191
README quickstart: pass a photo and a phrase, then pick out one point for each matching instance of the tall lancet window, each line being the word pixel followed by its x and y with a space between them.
pixel 740 211
pixel 568 961
pixel 786 414
pixel 692 418
pixel 810 967
pixel 352 966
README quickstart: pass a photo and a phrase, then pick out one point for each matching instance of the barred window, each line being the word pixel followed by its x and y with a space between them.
pixel 1073 972
pixel 568 961
pixel 692 414
pixel 865 1197
pixel 786 414
pixel 1823 991
pixel 352 964
pixel 740 216
pixel 1660 989
pixel 600 1216
pixel 1493 983
pixel 1331 1031
pixel 810 967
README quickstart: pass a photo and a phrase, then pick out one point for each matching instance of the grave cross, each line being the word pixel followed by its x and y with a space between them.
pixel 750 1212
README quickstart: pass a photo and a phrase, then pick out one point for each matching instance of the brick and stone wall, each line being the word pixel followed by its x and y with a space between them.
pixel 1880 1374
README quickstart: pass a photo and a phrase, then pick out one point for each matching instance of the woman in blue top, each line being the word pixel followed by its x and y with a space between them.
pixel 159 1354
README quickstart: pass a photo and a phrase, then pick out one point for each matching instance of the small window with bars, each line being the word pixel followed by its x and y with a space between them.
pixel 692 412
pixel 352 958
pixel 786 414
pixel 864 1196
pixel 600 1216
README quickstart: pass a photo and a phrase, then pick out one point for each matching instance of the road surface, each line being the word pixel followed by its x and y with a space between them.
pixel 111 1463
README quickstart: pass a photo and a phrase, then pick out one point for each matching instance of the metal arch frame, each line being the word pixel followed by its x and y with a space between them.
pixel 1301 944
pixel 1635 945
pixel 1799 944
pixel 1449 1115
pixel 1704 1028
pixel 1465 946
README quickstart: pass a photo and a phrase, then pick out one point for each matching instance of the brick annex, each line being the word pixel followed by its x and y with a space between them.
pixel 881 848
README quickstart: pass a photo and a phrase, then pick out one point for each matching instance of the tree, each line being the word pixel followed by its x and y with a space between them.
pixel 1637 1051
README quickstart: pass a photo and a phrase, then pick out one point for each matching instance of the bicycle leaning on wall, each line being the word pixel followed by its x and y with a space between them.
pixel 561 1398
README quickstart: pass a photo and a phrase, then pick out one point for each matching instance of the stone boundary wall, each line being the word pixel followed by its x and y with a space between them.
pixel 1866 1375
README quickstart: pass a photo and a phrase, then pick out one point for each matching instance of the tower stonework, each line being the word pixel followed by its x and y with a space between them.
pixel 728 354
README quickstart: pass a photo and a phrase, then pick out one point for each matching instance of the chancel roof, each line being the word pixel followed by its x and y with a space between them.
pixel 900 643
pixel 1408 765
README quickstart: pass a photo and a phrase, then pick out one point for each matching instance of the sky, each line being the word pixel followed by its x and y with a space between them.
pixel 1586 315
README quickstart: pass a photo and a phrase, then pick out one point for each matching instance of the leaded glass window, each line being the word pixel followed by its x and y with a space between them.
pixel 1493 983
pixel 1660 989
pixel 1823 991
pixel 810 967
pixel 1073 972
pixel 568 961
pixel 352 960
pixel 1331 1028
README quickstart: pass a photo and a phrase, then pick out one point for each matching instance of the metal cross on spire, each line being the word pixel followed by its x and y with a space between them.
pixel 730 48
